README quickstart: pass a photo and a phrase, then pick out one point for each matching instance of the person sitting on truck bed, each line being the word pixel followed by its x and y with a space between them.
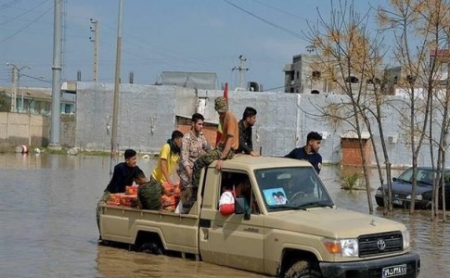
pixel 225 149
pixel 122 176
pixel 149 192
pixel 167 161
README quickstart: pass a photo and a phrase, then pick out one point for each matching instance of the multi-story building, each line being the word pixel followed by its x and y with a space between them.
pixel 309 74
pixel 304 75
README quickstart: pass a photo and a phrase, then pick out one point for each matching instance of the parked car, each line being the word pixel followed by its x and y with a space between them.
pixel 402 189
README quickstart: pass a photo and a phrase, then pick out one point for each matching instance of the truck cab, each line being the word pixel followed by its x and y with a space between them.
pixel 285 225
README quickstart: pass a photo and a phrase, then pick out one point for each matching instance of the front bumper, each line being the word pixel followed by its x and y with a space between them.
pixel 371 268
pixel 404 203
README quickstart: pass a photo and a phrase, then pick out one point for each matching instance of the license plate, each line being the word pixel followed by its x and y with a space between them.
pixel 397 202
pixel 392 271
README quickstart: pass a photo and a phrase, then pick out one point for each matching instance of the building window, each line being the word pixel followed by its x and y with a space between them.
pixel 316 74
pixel 298 75
pixel 351 79
pixel 374 81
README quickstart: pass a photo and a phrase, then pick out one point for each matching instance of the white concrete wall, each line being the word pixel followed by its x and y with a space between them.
pixel 283 120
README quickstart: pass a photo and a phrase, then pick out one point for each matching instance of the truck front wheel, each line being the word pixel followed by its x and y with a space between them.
pixel 302 269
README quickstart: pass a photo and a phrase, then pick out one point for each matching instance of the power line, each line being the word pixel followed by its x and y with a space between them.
pixel 22 14
pixel 145 44
pixel 268 22
pixel 36 78
pixel 7 5
pixel 280 10
pixel 26 26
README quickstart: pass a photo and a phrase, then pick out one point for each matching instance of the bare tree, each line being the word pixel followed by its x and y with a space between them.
pixel 349 57
pixel 422 31
pixel 412 35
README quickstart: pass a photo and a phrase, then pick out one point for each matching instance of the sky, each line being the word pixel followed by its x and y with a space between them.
pixel 157 36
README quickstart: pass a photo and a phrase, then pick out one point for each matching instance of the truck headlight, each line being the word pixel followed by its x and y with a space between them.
pixel 418 197
pixel 405 235
pixel 343 247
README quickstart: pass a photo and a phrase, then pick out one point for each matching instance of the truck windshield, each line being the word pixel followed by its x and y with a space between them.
pixel 292 188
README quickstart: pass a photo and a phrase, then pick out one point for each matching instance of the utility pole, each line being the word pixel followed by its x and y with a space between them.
pixel 115 117
pixel 56 77
pixel 96 41
pixel 15 86
pixel 14 80
pixel 63 37
pixel 241 70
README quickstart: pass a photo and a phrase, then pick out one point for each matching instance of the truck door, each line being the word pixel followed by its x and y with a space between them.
pixel 230 240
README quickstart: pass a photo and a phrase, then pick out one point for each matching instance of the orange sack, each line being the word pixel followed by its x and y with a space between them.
pixel 122 199
pixel 131 190
pixel 169 202
pixel 113 200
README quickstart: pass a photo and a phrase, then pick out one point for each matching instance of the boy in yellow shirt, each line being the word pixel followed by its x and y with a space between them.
pixel 167 162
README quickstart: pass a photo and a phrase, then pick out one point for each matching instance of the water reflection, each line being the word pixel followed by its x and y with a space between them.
pixel 48 229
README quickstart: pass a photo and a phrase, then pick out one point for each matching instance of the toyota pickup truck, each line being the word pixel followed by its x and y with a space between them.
pixel 284 225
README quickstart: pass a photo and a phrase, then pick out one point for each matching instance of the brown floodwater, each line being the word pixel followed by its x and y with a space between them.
pixel 48 229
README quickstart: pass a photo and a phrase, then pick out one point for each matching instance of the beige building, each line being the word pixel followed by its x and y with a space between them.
pixel 39 100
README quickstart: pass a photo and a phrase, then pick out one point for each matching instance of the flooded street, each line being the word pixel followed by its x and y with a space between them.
pixel 48 229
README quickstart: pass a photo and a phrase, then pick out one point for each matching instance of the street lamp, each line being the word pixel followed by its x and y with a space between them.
pixel 16 76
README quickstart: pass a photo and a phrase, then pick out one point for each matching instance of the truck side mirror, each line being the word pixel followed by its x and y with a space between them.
pixel 239 205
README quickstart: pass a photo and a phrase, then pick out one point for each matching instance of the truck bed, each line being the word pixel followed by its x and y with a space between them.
pixel 178 232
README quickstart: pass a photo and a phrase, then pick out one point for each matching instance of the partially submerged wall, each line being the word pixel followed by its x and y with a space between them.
pixel 147 117
pixel 24 129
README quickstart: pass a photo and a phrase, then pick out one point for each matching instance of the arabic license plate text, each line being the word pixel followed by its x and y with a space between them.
pixel 392 271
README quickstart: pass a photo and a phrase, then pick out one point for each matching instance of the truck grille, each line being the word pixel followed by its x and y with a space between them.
pixel 383 243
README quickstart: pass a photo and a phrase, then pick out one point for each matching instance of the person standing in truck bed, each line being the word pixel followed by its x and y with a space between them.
pixel 194 145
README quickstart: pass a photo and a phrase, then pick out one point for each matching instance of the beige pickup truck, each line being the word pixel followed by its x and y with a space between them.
pixel 284 225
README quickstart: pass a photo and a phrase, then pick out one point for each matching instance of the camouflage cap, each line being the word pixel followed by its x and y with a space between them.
pixel 220 105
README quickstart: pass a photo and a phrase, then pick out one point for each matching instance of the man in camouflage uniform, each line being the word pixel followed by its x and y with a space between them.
pixel 224 150
pixel 193 146
pixel 149 192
